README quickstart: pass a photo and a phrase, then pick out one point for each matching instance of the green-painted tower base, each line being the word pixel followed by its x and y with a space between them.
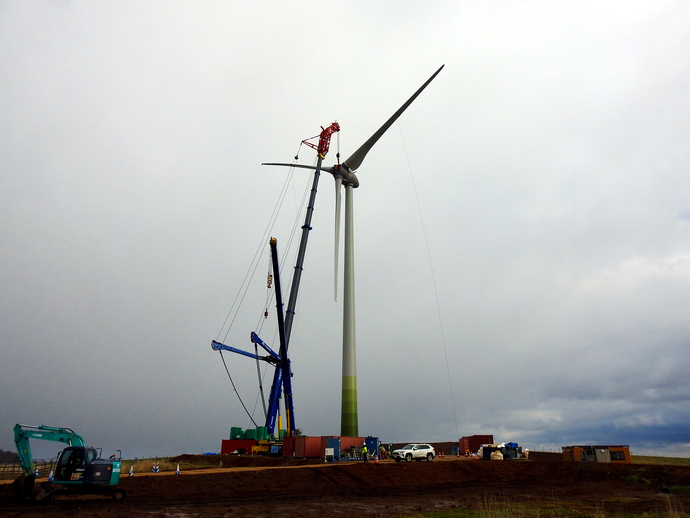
pixel 349 426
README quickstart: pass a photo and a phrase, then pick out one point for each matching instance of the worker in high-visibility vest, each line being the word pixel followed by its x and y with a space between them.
pixel 364 452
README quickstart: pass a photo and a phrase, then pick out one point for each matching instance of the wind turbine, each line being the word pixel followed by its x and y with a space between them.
pixel 344 175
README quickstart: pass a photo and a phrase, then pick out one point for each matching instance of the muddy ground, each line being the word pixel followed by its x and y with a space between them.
pixel 351 489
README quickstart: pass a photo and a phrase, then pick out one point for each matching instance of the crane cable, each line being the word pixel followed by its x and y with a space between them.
pixel 286 253
pixel 235 389
pixel 271 293
pixel 433 278
pixel 244 286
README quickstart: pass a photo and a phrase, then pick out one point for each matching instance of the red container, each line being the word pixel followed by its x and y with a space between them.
pixel 347 442
pixel 308 447
pixel 299 446
pixel 288 446
pixel 472 443
pixel 312 447
pixel 242 445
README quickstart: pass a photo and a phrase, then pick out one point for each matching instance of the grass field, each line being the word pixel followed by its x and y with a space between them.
pixel 670 461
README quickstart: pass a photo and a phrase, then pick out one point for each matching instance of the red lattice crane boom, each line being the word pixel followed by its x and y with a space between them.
pixel 324 139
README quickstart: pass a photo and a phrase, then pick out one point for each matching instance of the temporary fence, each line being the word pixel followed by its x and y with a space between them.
pixel 13 470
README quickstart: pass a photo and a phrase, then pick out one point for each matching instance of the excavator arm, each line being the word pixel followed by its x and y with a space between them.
pixel 24 432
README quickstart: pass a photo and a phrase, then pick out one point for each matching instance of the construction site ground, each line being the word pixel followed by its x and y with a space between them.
pixel 283 487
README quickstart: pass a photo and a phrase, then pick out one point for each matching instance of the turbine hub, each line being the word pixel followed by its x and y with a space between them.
pixel 349 177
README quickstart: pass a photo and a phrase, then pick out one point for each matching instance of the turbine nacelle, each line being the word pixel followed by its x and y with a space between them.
pixel 346 176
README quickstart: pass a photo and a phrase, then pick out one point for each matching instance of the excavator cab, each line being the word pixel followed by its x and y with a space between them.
pixel 82 465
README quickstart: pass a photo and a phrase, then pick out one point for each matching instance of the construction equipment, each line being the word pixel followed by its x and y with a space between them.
pixel 282 378
pixel 79 470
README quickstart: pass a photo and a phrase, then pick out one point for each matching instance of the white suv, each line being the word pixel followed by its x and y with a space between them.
pixel 415 451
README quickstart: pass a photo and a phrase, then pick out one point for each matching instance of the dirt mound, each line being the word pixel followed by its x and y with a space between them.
pixel 390 488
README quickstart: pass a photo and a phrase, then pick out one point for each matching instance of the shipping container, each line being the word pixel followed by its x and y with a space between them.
pixel 289 446
pixel 312 447
pixel 308 447
pixel 324 442
pixel 241 446
pixel 470 444
pixel 334 444
pixel 348 443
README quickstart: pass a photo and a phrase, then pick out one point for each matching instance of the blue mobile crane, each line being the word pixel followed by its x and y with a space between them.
pixel 79 470
pixel 282 377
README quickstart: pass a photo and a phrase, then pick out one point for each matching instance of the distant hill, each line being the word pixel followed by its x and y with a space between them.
pixel 8 456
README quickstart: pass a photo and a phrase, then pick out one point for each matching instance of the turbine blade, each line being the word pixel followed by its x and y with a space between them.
pixel 338 185
pixel 357 157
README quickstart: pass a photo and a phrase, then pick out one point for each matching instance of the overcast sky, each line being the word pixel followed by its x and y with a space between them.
pixel 522 233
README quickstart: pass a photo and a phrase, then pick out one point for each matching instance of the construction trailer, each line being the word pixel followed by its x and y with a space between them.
pixel 472 443
pixel 612 453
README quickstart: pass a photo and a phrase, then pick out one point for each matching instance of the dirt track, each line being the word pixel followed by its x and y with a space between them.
pixel 356 489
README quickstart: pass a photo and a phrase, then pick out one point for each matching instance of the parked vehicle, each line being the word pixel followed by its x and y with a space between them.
pixel 416 451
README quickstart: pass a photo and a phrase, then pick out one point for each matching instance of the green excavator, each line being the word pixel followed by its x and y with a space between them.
pixel 79 470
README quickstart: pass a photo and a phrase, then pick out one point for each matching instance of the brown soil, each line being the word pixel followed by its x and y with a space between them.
pixel 352 489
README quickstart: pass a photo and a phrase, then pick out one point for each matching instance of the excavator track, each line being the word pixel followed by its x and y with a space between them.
pixel 54 494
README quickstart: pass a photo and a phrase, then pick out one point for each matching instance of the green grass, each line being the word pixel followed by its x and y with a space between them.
pixel 667 461
pixel 498 509
pixel 517 512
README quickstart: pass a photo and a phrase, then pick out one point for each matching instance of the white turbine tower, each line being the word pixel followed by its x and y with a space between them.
pixel 344 175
